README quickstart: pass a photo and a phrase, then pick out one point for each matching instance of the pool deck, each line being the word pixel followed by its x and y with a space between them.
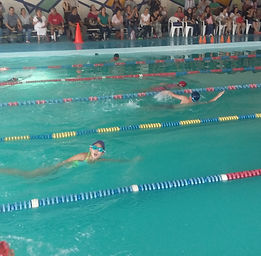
pixel 173 45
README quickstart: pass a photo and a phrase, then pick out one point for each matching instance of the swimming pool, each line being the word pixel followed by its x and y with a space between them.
pixel 216 219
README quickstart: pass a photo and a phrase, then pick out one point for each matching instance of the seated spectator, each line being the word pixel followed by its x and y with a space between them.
pixel 252 19
pixel 117 5
pixel 26 21
pixel 13 23
pixel 191 21
pixel 132 21
pixel 224 19
pixel 104 23
pixel 68 5
pixel 156 23
pixel 246 5
pixel 145 24
pixel 73 19
pixel 180 15
pixel 202 6
pixel 132 3
pixel 56 22
pixel 238 20
pixel 40 25
pixel 117 23
pixel 92 17
pixel 208 18
pixel 189 4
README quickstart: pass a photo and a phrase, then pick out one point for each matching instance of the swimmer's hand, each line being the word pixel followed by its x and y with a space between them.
pixel 136 159
pixel 217 97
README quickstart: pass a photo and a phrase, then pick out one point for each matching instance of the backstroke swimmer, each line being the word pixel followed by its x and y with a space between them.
pixel 96 151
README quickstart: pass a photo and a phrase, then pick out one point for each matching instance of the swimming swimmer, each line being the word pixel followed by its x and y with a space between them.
pixel 96 151
pixel 5 249
pixel 164 86
pixel 116 57
pixel 193 98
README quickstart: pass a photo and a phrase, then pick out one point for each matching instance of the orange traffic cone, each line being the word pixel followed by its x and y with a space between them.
pixel 204 41
pixel 78 35
pixel 228 39
pixel 200 40
pixel 212 40
pixel 222 39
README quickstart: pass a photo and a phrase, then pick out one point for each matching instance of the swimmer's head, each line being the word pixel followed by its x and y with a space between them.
pixel 97 149
pixel 182 84
pixel 116 56
pixel 5 250
pixel 195 96
pixel 14 79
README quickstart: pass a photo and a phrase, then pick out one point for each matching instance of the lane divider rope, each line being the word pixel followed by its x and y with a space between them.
pixel 69 134
pixel 125 96
pixel 175 60
pixel 86 196
pixel 171 74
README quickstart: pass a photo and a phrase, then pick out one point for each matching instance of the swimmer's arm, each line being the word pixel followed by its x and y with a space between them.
pixel 217 97
pixel 176 96
pixel 135 159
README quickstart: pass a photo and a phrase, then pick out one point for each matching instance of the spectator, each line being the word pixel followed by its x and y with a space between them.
pixel 132 21
pixel 2 8
pixel 92 17
pixel 252 19
pixel 104 23
pixel 215 7
pixel 67 8
pixel 189 4
pixel 117 5
pixel 191 21
pixel 1 26
pixel 117 23
pixel 202 6
pixel 40 25
pixel 180 15
pixel 132 3
pixel 145 23
pixel 13 23
pixel 156 19
pixel 224 19
pixel 5 250
pixel 73 19
pixel 238 20
pixel 164 21
pixel 154 5
pixel 56 22
pixel 208 18
pixel 26 21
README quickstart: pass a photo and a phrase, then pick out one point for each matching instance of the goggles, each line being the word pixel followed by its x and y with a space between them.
pixel 100 149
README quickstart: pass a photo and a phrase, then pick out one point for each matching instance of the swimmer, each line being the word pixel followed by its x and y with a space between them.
pixel 16 79
pixel 164 86
pixel 13 79
pixel 115 57
pixel 96 151
pixel 193 98
pixel 5 249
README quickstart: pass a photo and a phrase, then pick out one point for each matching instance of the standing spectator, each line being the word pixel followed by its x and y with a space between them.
pixel 189 4
pixel 26 21
pixel 145 23
pixel 132 21
pixel 40 25
pixel 132 3
pixel 73 19
pixel 56 22
pixel 238 19
pixel 202 6
pixel 2 8
pixel 117 23
pixel 104 23
pixel 154 5
pixel 13 23
pixel 5 250
pixel 117 5
pixel 156 19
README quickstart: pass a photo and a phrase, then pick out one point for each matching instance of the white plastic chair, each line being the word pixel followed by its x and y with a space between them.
pixel 173 28
pixel 204 26
pixel 234 27
pixel 248 25
pixel 187 29
pixel 221 28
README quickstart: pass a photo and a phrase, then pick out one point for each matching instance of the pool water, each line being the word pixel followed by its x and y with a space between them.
pixel 215 219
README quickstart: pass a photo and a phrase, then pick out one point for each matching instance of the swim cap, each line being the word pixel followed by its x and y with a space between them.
pixel 98 142
pixel 195 96
pixel 4 248
pixel 116 56
pixel 182 83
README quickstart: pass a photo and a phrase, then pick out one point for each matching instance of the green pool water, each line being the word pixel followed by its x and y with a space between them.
pixel 212 219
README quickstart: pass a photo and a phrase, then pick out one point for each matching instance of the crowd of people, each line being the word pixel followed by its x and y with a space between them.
pixel 127 21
